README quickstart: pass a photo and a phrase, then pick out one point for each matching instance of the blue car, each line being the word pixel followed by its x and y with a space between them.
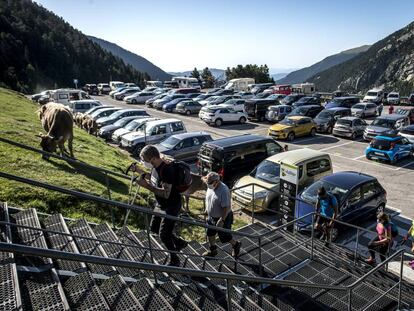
pixel 389 148
pixel 359 196
pixel 171 105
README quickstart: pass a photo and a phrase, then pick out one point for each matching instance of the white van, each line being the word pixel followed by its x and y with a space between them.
pixel 239 85
pixel 64 96
pixel 304 88
pixel 83 105
pixel 154 84
pixel 116 84
pixel 152 133
pixel 186 82
pixel 374 96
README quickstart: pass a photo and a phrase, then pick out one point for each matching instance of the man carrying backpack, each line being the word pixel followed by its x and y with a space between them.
pixel 327 207
pixel 164 184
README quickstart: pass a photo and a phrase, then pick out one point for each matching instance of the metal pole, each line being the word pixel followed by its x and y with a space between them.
pixel 312 235
pixel 228 289
pixel 356 247
pixel 147 228
pixel 253 203
pixel 350 299
pixel 400 281
pixel 109 197
pixel 260 256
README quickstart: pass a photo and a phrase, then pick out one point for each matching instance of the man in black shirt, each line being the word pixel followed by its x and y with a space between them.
pixel 163 184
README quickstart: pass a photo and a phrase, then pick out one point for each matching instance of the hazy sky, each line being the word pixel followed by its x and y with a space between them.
pixel 179 35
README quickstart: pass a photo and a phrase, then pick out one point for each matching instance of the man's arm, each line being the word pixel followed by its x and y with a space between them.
pixel 163 192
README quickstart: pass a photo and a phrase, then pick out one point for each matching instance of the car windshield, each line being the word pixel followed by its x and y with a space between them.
pixel 300 111
pixel 122 122
pixel 267 171
pixel 288 99
pixel 303 100
pixel 273 96
pixel 393 95
pixel 132 125
pixel 326 114
pixel 381 144
pixel 344 122
pixel 262 95
pixel 383 123
pixel 402 111
pixel 170 142
pixel 116 115
pixel 311 194
pixel 98 112
pixel 287 121
pixel 372 94
pixel 358 106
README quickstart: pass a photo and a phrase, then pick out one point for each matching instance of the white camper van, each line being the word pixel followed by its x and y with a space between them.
pixel 304 88
pixel 239 85
pixel 64 96
pixel 116 84
pixel 186 82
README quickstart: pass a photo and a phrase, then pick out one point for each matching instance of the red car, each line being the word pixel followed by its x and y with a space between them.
pixel 285 89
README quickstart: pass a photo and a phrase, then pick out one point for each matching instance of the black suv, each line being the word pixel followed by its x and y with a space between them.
pixel 236 156
pixel 306 111
pixel 256 108
pixel 91 89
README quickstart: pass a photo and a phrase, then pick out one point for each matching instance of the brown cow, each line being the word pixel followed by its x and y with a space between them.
pixel 57 121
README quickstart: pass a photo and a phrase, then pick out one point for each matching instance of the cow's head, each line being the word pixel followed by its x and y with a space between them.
pixel 49 143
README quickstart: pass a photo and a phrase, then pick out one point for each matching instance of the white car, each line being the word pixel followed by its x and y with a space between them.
pixel 374 96
pixel 104 88
pixel 139 97
pixel 206 101
pixel 235 104
pixel 393 98
pixel 408 132
pixel 132 126
pixel 218 115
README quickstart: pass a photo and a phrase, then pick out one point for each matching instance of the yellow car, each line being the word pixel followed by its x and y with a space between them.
pixel 291 127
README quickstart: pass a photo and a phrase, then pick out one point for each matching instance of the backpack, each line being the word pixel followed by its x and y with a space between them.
pixel 394 229
pixel 183 177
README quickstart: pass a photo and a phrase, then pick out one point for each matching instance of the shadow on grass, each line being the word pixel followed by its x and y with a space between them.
pixel 99 177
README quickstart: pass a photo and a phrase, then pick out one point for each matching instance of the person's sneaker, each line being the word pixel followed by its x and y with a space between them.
pixel 370 261
pixel 181 244
pixel 174 262
pixel 236 249
pixel 211 253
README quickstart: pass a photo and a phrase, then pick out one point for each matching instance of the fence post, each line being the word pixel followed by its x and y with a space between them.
pixel 356 247
pixel 147 228
pixel 350 299
pixel 401 279
pixel 253 203
pixel 109 197
pixel 228 289
pixel 260 256
pixel 312 235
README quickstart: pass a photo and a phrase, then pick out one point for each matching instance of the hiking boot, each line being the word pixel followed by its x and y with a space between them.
pixel 236 249
pixel 211 253
pixel 181 244
pixel 174 261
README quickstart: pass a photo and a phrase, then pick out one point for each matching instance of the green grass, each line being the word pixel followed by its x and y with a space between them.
pixel 19 122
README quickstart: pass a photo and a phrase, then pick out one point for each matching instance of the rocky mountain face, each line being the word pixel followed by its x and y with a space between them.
pixel 302 75
pixel 138 62
pixel 389 63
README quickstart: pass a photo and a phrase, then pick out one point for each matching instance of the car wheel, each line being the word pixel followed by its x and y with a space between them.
pixel 393 161
pixel 188 112
pixel 313 132
pixel 353 136
pixel 218 122
pixel 261 119
pixel 242 120
pixel 137 150
pixel 134 101
pixel 363 116
pixel 291 136
pixel 329 130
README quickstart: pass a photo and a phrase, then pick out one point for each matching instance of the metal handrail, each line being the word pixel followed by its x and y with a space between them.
pixel 67 159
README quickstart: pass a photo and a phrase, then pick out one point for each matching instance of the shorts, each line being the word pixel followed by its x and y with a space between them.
pixel 223 236
pixel 324 221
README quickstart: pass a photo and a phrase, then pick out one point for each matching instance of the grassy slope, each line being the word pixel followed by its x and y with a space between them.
pixel 19 122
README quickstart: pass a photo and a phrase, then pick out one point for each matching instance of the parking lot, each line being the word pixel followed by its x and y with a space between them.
pixel 397 179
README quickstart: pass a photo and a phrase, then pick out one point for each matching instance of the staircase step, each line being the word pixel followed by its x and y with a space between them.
pixel 83 293
pixel 176 297
pixel 9 285
pixel 119 296
pixel 62 242
pixel 89 247
pixel 149 297
pixel 159 256
pixel 198 296
pixel 244 301
pixel 43 292
pixel 104 232
pixel 31 237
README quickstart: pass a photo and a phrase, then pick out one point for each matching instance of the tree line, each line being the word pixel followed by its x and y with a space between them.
pixel 39 50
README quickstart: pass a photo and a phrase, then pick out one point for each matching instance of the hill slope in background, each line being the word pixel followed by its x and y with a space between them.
pixel 302 75
pixel 136 61
pixel 217 73
pixel 389 63
pixel 40 50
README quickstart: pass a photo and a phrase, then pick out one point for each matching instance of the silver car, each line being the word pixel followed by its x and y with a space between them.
pixel 350 127
pixel 364 110
pixel 408 132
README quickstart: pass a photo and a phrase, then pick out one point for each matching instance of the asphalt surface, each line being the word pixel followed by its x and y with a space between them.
pixel 347 155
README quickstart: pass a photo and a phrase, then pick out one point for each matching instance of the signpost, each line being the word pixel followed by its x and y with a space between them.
pixel 75 81
pixel 288 191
